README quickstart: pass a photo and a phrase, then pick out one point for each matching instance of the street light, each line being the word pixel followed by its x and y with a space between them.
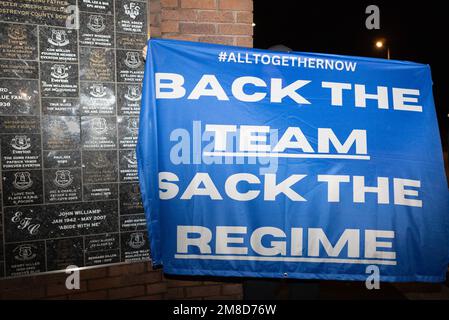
pixel 382 43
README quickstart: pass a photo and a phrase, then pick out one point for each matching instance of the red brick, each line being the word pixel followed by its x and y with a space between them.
pixel 197 28
pixel 244 5
pixel 233 28
pixel 174 293
pixel 215 16
pixel 124 280
pixel 169 26
pixel 244 17
pixel 202 291
pixel 93 273
pixel 155 32
pixel 21 294
pixel 167 3
pixel 132 268
pixel 155 5
pixel 179 15
pixel 155 288
pixel 152 297
pixel 59 289
pixel 199 4
pixel 182 283
pixel 217 39
pixel 244 41
pixel 221 298
pixel 126 292
pixel 231 289
pixel 184 37
pixel 91 295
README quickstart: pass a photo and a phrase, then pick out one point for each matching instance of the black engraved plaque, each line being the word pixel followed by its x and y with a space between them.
pixel 18 41
pixel 62 159
pixel 21 151
pixel 128 166
pixel 99 132
pixel 62 253
pixel 98 6
pixel 59 79
pixel 100 166
pixel 70 92
pixel 97 64
pixel 98 98
pixel 128 131
pixel 130 199
pixel 130 16
pixel 22 187
pixel 135 246
pixel 129 96
pixel 60 106
pixel 19 97
pixel 130 66
pixel 20 69
pixel 25 258
pixel 61 133
pixel 58 44
pixel 62 185
pixel 96 30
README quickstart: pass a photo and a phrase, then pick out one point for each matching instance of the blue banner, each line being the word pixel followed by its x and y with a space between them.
pixel 291 165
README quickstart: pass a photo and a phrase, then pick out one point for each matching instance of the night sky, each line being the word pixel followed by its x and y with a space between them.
pixel 415 31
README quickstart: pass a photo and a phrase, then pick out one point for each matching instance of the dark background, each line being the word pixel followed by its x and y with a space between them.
pixel 414 30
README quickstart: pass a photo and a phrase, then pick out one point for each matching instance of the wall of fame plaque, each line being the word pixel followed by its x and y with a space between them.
pixel 70 91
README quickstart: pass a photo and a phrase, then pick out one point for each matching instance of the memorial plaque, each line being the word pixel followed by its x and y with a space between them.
pixel 100 166
pixel 60 133
pixel 25 223
pixel 98 6
pixel 97 98
pixel 135 246
pixel 21 151
pixel 62 185
pixel 128 166
pixel 133 222
pixel 58 44
pixel 45 12
pixel 128 131
pixel 102 249
pixel 100 191
pixel 60 106
pixel 25 258
pixel 131 16
pixel 67 220
pixel 22 187
pixel 70 92
pixel 19 97
pixel 96 30
pixel 97 64
pixel 129 97
pixel 59 80
pixel 18 41
pixel 17 124
pixel 20 69
pixel 130 66
pixel 62 159
pixel 131 41
pixel 130 199
pixel 62 253
pixel 98 132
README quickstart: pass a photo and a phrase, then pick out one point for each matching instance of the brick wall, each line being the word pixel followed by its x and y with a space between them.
pixel 129 281
pixel 215 21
